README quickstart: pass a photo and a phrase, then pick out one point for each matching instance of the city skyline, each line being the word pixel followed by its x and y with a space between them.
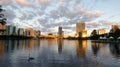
pixel 48 15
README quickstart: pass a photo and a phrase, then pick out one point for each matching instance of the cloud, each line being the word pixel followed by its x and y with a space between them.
pixel 43 2
pixel 9 15
pixel 23 2
pixel 5 2
pixel 106 22
pixel 48 15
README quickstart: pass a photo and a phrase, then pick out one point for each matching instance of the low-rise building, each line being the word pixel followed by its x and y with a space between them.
pixel 30 32
pixel 2 29
pixel 38 33
pixel 50 35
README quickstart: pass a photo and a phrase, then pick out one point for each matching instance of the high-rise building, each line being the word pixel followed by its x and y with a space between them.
pixel 80 29
pixel 84 33
pixel 60 32
pixel 11 30
pixel 21 31
pixel 101 31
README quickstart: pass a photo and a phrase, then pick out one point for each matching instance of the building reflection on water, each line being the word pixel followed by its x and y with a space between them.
pixel 73 52
pixel 51 41
pixel 114 48
pixel 95 48
pixel 11 45
pixel 81 46
pixel 1 48
pixel 60 45
pixel 30 44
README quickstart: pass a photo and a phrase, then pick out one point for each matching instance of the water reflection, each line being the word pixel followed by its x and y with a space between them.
pixel 81 46
pixel 11 45
pixel 1 48
pixel 58 53
pixel 60 45
pixel 51 41
pixel 115 49
pixel 95 48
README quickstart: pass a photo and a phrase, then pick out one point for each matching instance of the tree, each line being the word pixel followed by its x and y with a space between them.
pixel 116 34
pixel 2 19
pixel 94 32
pixel 94 35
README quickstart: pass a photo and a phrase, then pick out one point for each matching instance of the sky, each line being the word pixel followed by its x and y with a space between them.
pixel 48 15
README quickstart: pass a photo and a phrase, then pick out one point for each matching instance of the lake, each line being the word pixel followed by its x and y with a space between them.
pixel 58 53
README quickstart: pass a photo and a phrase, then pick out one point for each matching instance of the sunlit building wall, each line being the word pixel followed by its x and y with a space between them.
pixel 38 33
pixel 84 33
pixel 101 31
pixel 80 29
pixel 30 32
pixel 2 29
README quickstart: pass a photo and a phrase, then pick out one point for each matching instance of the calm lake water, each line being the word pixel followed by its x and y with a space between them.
pixel 58 53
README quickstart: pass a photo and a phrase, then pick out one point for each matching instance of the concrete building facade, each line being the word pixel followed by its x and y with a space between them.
pixel 38 33
pixel 80 27
pixel 20 31
pixel 30 32
pixel 60 32
pixel 11 30
pixel 80 30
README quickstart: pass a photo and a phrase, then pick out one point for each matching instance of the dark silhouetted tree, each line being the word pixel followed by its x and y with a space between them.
pixel 94 34
pixel 2 19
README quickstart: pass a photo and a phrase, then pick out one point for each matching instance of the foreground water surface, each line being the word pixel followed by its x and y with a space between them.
pixel 58 53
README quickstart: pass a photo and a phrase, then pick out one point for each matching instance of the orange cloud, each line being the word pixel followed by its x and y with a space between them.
pixel 23 2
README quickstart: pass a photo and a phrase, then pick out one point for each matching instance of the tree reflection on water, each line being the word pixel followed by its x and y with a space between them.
pixel 58 52
pixel 115 49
